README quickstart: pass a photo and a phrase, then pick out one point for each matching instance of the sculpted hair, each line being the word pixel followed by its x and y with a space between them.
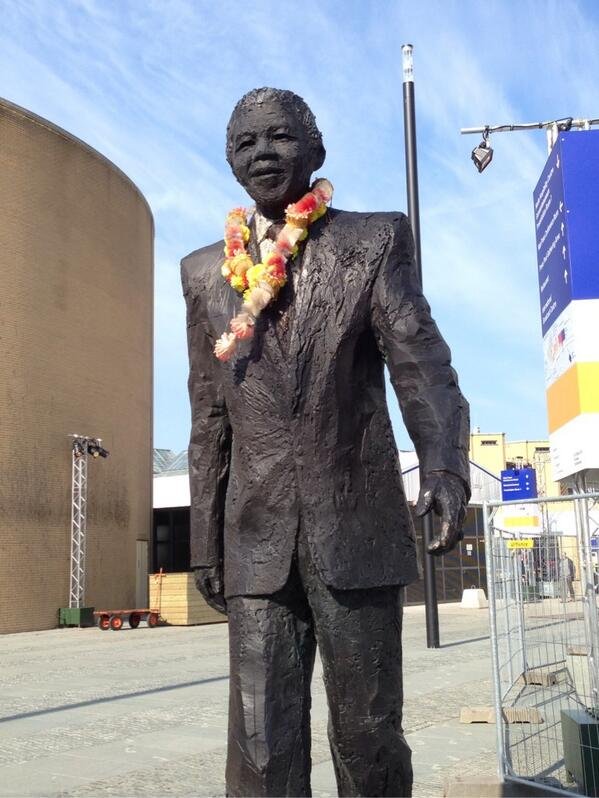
pixel 290 101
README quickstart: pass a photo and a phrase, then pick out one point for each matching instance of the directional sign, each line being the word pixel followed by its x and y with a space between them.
pixel 580 170
pixel 553 257
pixel 566 202
pixel 518 484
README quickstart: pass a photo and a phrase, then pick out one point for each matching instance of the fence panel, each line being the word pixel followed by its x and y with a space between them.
pixel 542 585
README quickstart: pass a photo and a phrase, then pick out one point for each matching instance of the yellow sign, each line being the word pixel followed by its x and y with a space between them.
pixel 522 520
pixel 525 543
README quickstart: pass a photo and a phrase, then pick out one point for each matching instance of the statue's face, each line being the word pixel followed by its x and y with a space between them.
pixel 271 156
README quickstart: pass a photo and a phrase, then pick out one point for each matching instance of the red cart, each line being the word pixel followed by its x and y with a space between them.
pixel 114 619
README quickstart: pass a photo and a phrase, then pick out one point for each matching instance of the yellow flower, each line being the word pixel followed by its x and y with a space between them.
pixel 245 232
pixel 238 282
pixel 294 221
pixel 274 282
pixel 255 274
pixel 320 211
pixel 239 264
pixel 225 271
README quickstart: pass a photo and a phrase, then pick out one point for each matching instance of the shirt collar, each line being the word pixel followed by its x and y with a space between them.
pixel 262 225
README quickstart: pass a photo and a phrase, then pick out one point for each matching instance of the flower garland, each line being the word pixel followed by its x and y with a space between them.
pixel 260 283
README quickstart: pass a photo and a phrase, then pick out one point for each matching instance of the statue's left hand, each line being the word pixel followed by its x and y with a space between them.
pixel 445 494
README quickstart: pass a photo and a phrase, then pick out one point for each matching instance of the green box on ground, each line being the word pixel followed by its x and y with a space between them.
pixel 580 732
pixel 76 616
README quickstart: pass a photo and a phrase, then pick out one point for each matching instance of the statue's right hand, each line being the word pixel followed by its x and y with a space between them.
pixel 209 581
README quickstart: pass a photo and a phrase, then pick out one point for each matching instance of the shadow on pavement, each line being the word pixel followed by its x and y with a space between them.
pixel 107 699
pixel 463 642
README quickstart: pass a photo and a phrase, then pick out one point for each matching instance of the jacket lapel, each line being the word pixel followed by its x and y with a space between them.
pixel 304 321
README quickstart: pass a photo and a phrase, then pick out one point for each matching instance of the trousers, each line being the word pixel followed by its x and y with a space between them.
pixel 272 647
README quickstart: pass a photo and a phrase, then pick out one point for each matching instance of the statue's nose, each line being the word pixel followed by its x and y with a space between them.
pixel 263 149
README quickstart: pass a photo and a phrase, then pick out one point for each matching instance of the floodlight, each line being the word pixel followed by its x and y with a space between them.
pixel 483 154
pixel 93 448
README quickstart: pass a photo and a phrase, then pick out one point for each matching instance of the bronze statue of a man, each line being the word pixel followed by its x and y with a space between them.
pixel 300 530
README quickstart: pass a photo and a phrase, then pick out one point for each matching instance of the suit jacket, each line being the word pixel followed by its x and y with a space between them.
pixel 303 431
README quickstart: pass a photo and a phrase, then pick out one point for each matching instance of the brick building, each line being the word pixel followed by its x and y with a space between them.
pixel 76 304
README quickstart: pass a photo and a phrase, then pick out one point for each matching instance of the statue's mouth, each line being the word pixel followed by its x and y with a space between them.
pixel 267 171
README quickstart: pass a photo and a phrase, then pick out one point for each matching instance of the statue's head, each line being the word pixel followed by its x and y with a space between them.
pixel 273 147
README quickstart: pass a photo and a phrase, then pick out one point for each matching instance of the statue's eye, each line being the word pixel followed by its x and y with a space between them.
pixel 243 145
pixel 282 137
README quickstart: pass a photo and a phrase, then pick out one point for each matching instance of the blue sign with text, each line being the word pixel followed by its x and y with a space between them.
pixel 518 484
pixel 566 204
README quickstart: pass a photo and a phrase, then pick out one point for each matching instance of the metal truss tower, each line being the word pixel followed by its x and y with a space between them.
pixel 78 522
pixel 82 447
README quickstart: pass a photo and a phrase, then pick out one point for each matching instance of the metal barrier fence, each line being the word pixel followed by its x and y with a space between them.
pixel 542 579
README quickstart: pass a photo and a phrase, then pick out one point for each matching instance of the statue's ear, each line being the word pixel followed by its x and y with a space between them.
pixel 319 155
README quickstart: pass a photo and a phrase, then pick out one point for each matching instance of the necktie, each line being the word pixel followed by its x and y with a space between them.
pixel 274 230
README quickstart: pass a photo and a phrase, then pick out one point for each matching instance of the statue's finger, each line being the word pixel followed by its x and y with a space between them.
pixel 425 502
pixel 435 545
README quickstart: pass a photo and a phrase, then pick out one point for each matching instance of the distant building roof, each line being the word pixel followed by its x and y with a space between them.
pixel 167 461
pixel 171 482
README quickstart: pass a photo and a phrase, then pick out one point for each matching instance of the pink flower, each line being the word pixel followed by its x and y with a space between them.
pixel 323 190
pixel 276 260
pixel 242 326
pixel 305 206
pixel 225 346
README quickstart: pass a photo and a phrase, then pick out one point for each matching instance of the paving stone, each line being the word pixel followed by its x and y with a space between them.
pixel 144 712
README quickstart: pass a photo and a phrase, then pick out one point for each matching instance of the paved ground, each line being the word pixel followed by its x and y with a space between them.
pixel 143 712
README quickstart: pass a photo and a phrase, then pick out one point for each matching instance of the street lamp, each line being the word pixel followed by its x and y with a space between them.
pixel 483 154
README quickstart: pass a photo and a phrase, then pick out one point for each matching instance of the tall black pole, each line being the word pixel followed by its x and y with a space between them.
pixel 409 117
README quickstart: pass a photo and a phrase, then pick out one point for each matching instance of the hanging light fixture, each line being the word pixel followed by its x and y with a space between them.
pixel 483 154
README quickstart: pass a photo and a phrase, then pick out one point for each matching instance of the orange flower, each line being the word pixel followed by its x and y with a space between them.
pixel 275 259
pixel 237 215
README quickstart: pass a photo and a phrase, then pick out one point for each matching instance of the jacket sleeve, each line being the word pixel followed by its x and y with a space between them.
pixel 211 438
pixel 435 413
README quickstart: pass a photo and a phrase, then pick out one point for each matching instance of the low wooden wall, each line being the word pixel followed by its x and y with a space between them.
pixel 179 602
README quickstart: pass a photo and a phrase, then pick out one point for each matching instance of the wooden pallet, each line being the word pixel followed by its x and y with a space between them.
pixel 510 715
pixel 179 601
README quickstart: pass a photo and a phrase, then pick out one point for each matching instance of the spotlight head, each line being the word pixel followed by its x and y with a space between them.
pixel 483 154
pixel 93 447
pixel 103 452
pixel 565 124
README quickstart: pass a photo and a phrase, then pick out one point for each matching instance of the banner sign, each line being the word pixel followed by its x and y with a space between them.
pixel 566 206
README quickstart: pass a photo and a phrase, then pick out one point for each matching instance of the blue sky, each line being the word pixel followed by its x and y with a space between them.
pixel 151 85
